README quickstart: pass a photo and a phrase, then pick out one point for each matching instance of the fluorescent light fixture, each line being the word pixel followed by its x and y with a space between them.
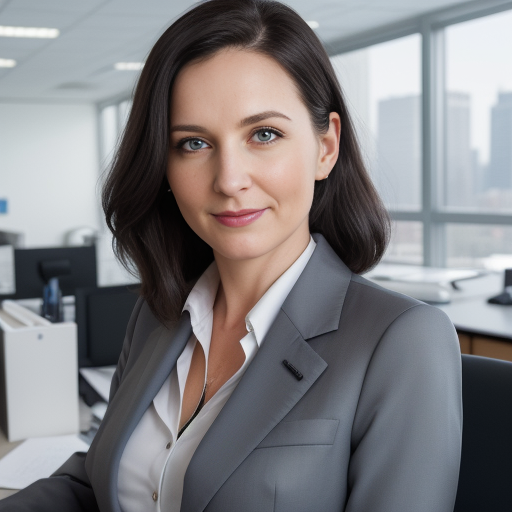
pixel 7 63
pixel 313 24
pixel 35 32
pixel 128 66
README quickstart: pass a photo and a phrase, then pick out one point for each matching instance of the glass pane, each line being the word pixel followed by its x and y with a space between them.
pixel 406 244
pixel 124 112
pixel 475 245
pixel 382 86
pixel 478 115
pixel 109 132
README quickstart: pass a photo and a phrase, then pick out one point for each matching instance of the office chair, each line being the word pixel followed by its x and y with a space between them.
pixel 485 481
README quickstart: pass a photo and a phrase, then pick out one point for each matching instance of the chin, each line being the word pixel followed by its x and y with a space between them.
pixel 242 246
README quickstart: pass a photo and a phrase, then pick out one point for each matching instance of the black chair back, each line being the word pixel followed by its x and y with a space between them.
pixel 485 482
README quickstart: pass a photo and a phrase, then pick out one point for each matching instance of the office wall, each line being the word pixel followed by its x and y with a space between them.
pixel 48 170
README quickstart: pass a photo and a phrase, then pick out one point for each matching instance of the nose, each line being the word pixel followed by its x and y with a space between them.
pixel 231 171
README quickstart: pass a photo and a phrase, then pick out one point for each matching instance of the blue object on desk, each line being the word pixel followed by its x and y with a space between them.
pixel 52 301
pixel 3 205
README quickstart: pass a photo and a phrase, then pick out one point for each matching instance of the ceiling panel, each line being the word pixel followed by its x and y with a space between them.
pixel 75 6
pixel 38 18
pixel 95 34
pixel 165 8
pixel 417 5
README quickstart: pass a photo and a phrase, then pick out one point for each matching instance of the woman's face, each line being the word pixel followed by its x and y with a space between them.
pixel 241 139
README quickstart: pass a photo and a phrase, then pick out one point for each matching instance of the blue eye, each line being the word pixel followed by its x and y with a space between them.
pixel 194 144
pixel 265 135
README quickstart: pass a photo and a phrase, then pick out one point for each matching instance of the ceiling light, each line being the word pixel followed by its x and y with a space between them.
pixel 37 32
pixel 128 66
pixel 313 24
pixel 7 63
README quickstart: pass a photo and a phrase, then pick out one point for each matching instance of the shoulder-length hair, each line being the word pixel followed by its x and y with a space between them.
pixel 149 230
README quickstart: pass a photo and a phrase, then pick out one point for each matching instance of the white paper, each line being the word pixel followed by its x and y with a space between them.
pixel 99 409
pixel 37 458
pixel 100 379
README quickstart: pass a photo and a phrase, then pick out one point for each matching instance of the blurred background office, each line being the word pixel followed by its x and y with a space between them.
pixel 428 82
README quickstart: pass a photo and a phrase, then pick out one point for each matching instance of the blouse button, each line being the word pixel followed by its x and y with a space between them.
pixel 155 496
pixel 168 445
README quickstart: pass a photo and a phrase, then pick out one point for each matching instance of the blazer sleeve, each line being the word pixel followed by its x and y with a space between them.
pixel 407 432
pixel 68 488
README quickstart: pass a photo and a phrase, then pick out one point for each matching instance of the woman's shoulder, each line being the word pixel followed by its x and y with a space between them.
pixel 377 298
pixel 392 314
pixel 366 286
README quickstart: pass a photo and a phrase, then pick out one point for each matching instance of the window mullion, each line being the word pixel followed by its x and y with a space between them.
pixel 434 242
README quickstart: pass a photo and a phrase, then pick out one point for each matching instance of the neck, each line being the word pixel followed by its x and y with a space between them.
pixel 244 282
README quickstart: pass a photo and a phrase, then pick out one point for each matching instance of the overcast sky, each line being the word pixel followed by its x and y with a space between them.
pixel 478 62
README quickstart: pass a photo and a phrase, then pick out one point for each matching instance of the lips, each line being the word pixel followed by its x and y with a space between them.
pixel 240 218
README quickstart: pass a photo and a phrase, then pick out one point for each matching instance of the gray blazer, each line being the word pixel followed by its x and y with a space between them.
pixel 373 425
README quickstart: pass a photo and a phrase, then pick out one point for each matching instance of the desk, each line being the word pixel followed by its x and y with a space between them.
pixel 484 329
pixel 5 448
pixel 471 313
pixel 85 415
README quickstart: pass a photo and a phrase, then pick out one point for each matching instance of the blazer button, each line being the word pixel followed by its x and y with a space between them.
pixel 155 496
pixel 168 445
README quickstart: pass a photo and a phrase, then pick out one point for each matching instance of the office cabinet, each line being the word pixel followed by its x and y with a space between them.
pixel 485 346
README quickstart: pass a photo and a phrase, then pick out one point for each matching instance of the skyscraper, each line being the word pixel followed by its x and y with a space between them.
pixel 500 165
pixel 459 171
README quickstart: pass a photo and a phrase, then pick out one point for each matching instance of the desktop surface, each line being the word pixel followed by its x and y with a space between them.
pixel 468 308
pixel 470 312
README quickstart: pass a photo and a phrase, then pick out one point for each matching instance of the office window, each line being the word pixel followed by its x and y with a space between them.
pixel 382 86
pixel 406 245
pixel 124 112
pixel 113 119
pixel 108 134
pixel 475 245
pixel 478 115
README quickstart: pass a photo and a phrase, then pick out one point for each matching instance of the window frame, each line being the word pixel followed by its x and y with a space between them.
pixel 431 28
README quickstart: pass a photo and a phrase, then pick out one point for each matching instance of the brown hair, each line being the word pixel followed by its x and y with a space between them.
pixel 149 230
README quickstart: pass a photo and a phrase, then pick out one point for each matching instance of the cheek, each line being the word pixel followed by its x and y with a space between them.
pixel 292 180
pixel 186 189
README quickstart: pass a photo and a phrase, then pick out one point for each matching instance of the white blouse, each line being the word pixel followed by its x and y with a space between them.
pixel 154 462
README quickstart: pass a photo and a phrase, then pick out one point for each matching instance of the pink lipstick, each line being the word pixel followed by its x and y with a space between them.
pixel 239 218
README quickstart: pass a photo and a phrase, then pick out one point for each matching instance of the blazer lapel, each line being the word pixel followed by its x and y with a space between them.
pixel 137 389
pixel 268 390
pixel 263 397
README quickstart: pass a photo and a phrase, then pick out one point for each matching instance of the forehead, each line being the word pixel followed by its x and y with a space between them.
pixel 233 84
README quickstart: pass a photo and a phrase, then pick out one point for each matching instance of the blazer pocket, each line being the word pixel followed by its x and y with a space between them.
pixel 301 433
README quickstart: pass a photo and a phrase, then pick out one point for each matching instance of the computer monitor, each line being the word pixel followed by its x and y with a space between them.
pixel 30 265
pixel 102 315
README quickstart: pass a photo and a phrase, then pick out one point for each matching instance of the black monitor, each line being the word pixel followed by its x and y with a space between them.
pixel 78 265
pixel 101 316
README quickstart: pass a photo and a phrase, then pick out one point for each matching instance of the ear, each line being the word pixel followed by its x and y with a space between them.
pixel 329 147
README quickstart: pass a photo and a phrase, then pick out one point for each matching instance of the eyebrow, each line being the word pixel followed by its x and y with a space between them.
pixel 256 118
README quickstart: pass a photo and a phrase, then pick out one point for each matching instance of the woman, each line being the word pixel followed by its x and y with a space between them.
pixel 260 372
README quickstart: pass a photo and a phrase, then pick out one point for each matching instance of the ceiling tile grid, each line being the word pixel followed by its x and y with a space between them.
pixel 97 33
